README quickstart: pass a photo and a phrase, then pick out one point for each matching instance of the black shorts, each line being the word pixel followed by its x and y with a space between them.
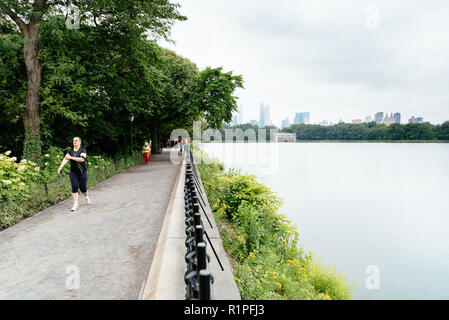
pixel 78 179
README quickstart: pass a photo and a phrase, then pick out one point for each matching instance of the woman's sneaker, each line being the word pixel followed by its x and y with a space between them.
pixel 75 206
pixel 87 199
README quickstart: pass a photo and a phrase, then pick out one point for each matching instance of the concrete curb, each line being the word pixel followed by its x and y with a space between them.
pixel 166 277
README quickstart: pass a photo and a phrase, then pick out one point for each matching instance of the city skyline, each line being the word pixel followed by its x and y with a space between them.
pixel 324 57
pixel 298 118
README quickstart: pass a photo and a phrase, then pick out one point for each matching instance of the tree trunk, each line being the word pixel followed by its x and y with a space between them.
pixel 34 75
pixel 154 131
pixel 30 32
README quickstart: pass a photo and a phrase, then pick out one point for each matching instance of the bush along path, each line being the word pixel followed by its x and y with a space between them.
pixel 263 245
pixel 27 187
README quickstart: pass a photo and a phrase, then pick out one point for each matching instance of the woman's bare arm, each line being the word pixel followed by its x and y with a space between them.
pixel 63 163
pixel 77 159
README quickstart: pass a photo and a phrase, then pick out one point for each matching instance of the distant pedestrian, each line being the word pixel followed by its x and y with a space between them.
pixel 181 143
pixel 78 171
pixel 146 151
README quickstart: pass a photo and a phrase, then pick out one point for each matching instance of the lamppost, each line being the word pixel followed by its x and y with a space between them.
pixel 131 119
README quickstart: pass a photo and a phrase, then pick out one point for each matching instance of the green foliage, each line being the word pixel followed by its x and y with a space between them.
pixel 366 131
pixel 262 244
pixel 32 146
pixel 50 162
pixel 355 132
pixel 95 76
pixel 16 177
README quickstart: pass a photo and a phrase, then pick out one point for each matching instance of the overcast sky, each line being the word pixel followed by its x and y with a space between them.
pixel 343 59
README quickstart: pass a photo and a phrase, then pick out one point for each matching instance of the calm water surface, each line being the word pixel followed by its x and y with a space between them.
pixel 362 204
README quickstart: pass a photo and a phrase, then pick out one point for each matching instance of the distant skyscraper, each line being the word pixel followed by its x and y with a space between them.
pixel 341 121
pixel 264 115
pixel 261 115
pixel 235 120
pixel 388 120
pixel 412 120
pixel 302 118
pixel 420 120
pixel 379 117
pixel 368 119
pixel 397 117
pixel 253 122
pixel 296 120
pixel 267 116
pixel 285 123
pixel 305 117
pixel 240 115
pixel 356 121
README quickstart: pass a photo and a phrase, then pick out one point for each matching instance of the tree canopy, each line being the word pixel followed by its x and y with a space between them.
pixel 95 76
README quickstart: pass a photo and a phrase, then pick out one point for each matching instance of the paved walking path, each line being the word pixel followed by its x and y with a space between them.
pixel 110 242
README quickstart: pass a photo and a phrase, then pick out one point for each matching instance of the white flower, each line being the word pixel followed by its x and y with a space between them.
pixel 13 159
pixel 7 181
pixel 21 168
pixel 46 163
pixel 96 167
pixel 23 161
pixel 47 155
pixel 7 153
pixel 37 169
pixel 22 184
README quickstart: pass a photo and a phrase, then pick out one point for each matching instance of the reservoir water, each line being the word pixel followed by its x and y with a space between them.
pixel 378 212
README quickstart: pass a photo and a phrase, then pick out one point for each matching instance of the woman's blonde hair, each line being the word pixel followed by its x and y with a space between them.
pixel 78 138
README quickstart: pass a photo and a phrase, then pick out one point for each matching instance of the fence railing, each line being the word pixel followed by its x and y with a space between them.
pixel 198 278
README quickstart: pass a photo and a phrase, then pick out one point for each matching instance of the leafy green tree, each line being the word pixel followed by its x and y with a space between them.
pixel 134 17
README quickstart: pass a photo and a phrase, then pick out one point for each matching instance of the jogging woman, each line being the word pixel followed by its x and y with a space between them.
pixel 78 171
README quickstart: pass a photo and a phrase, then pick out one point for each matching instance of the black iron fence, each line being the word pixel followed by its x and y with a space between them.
pixel 198 278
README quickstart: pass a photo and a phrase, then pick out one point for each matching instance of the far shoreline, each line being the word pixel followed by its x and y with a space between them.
pixel 336 141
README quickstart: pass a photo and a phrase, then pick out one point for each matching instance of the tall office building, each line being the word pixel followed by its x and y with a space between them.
pixel 240 115
pixel 379 117
pixel 253 122
pixel 285 123
pixel 267 116
pixel 296 120
pixel 388 120
pixel 397 117
pixel 416 120
pixel 305 117
pixel 302 118
pixel 235 120
pixel 264 115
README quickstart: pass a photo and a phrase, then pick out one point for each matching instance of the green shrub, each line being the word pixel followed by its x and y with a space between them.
pixel 16 178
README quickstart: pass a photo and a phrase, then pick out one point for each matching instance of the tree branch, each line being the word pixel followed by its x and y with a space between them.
pixel 13 16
